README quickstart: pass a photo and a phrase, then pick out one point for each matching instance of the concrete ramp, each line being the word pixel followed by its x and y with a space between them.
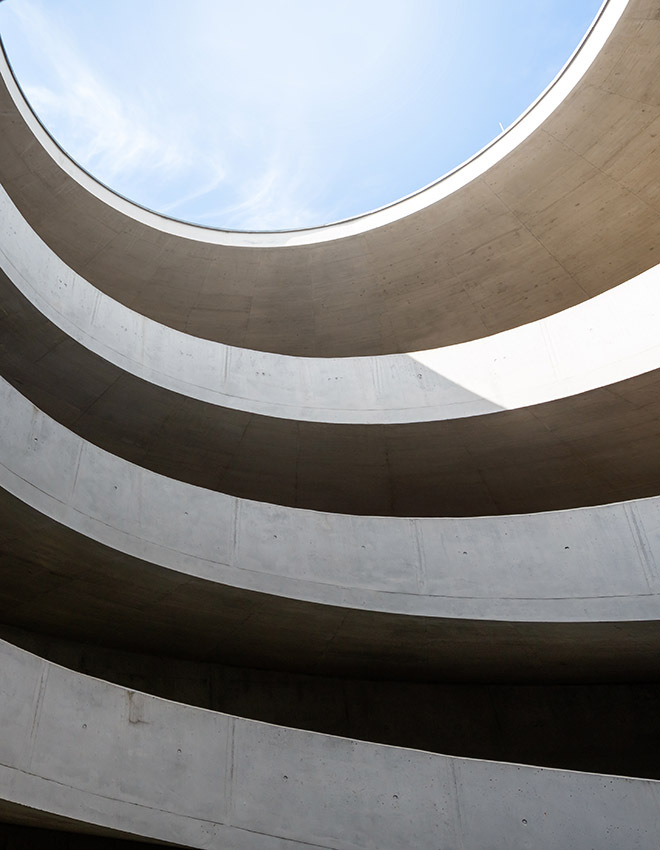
pixel 169 772
pixel 347 537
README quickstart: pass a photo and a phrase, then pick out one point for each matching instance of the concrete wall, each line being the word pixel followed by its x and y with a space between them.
pixel 356 590
pixel 489 464
pixel 603 728
pixel 79 748
pixel 518 567
pixel 606 339
pixel 153 478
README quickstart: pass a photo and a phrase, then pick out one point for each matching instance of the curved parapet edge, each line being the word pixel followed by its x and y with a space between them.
pixel 489 464
pixel 567 566
pixel 166 771
pixel 447 466
pixel 606 339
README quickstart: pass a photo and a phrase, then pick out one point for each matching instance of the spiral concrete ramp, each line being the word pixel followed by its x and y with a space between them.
pixel 348 537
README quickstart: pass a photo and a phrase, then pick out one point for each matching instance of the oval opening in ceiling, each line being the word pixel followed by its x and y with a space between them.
pixel 282 114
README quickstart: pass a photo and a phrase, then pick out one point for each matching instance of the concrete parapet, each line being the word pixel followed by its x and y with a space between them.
pixel 116 759
pixel 590 726
pixel 119 396
pixel 589 568
pixel 609 338
pixel 319 503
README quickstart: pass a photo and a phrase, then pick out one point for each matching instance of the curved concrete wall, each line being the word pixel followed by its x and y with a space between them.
pixel 152 477
pixel 251 785
pixel 562 454
pixel 116 399
pixel 594 727
pixel 606 339
pixel 538 573
pixel 572 445
pixel 516 234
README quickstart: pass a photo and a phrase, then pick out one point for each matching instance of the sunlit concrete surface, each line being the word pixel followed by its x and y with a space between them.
pixel 606 339
pixel 389 476
pixel 102 532
pixel 560 454
pixel 593 726
pixel 562 207
pixel 252 785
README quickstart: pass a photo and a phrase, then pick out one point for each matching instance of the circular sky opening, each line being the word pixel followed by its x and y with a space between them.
pixel 282 114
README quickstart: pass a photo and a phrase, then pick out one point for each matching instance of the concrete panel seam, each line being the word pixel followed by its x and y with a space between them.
pixel 641 542
pixel 36 717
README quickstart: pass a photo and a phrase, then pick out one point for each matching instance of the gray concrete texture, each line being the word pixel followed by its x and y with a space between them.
pixel 517 567
pixel 603 728
pixel 82 749
pixel 214 449
pixel 307 588
pixel 606 339
pixel 560 454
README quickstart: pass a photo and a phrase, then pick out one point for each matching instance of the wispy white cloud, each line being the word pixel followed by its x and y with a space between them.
pixel 246 159
pixel 265 114
pixel 275 198
pixel 107 140
pixel 110 134
pixel 208 186
pixel 223 167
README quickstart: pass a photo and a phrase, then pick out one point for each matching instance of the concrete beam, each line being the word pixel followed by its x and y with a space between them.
pixel 595 727
pixel 119 399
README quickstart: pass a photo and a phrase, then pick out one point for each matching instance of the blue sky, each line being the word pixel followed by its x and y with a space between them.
pixel 273 114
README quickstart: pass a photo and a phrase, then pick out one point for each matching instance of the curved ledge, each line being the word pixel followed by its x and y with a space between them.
pixel 596 727
pixel 330 466
pixel 561 454
pixel 420 280
pixel 170 772
pixel 608 338
pixel 123 542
